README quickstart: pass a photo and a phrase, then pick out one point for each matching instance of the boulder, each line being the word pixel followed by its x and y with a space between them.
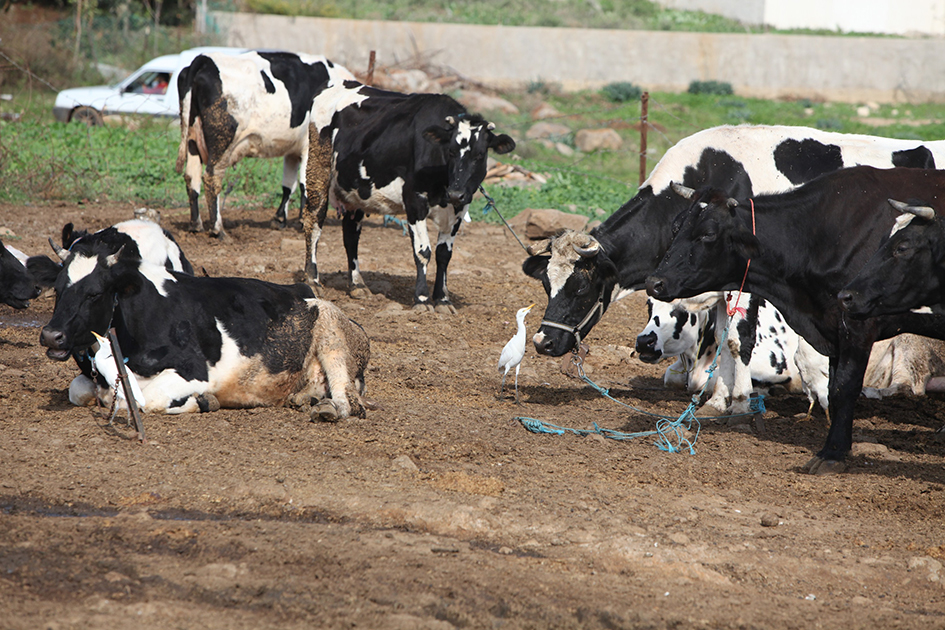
pixel 544 110
pixel 545 223
pixel 543 130
pixel 588 140
pixel 412 81
pixel 477 102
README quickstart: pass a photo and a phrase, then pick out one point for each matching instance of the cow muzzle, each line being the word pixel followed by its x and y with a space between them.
pixel 55 341
pixel 457 197
pixel 646 348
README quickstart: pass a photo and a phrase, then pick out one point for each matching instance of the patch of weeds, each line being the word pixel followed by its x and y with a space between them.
pixel 622 91
pixel 721 88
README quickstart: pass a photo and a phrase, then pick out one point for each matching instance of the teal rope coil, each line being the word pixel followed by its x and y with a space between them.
pixel 671 432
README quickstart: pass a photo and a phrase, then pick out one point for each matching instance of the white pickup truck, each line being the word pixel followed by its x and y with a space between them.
pixel 151 90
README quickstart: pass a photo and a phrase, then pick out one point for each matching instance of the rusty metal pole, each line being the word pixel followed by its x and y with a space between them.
pixel 126 385
pixel 370 69
pixel 644 101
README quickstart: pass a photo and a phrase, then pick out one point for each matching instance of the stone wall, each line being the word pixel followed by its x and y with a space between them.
pixel 853 69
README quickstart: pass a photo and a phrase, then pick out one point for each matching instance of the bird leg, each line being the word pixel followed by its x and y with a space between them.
pixel 516 384
pixel 502 386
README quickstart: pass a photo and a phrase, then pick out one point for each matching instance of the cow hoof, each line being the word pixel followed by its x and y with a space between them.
pixel 207 402
pixel 276 224
pixel 317 288
pixel 709 411
pixel 221 236
pixel 195 227
pixel 820 466
pixel 445 308
pixel 360 293
pixel 423 307
pixel 325 411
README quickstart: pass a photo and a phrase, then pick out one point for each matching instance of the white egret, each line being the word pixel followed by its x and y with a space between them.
pixel 514 351
pixel 104 361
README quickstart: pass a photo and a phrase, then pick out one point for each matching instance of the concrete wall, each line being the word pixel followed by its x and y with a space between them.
pixel 768 66
pixel 899 17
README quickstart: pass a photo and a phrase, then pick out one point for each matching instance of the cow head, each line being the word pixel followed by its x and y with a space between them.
pixel 579 279
pixel 907 271
pixel 467 140
pixel 710 248
pixel 670 331
pixel 94 273
pixel 17 287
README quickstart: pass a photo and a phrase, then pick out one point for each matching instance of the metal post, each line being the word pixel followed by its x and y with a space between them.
pixel 644 101
pixel 370 70
pixel 126 385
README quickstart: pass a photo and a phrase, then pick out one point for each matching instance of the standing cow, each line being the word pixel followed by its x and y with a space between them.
pixel 204 343
pixel 257 104
pixel 419 155
pixel 582 274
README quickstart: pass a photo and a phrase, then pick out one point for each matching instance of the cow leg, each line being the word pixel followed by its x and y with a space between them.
pixel 745 331
pixel 192 179
pixel 351 235
pixel 725 369
pixel 846 381
pixel 213 184
pixel 448 221
pixel 290 179
pixel 420 241
pixel 315 209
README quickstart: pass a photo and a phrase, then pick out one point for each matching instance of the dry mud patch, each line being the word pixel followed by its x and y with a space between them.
pixel 439 510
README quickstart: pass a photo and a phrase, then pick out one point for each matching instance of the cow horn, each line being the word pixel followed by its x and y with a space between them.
pixel 112 259
pixel 538 248
pixel 923 212
pixel 732 202
pixel 683 191
pixel 450 120
pixel 62 253
pixel 592 249
pixel 490 126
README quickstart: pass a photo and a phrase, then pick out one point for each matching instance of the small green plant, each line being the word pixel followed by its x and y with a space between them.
pixel 720 88
pixel 829 124
pixel 621 91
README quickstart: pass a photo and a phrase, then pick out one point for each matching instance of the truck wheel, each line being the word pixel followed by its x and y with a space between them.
pixel 88 115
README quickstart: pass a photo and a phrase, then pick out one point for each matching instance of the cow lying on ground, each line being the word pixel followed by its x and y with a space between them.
pixel 17 286
pixel 583 274
pixel 419 155
pixel 805 246
pixel 257 104
pixel 203 343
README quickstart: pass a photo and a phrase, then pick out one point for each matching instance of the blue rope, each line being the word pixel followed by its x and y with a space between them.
pixel 670 432
pixel 389 218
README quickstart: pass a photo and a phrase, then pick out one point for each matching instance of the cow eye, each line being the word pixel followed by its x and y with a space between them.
pixel 902 249
pixel 709 236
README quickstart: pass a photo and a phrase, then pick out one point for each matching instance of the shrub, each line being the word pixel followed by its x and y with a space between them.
pixel 720 88
pixel 622 91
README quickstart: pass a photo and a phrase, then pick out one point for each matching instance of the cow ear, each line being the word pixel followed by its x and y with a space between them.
pixel 536 266
pixel 43 270
pixel 68 235
pixel 501 144
pixel 437 135
pixel 747 245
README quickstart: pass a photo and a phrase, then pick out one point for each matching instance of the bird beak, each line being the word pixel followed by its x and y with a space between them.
pixel 531 307
pixel 98 337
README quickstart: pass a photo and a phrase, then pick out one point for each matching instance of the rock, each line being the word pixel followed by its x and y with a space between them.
pixel 588 140
pixel 543 130
pixel 862 111
pixel 403 462
pixel 148 214
pixel 477 101
pixel 770 520
pixel 547 222
pixel 544 110
pixel 407 81
pixel 564 149
pixel 6 232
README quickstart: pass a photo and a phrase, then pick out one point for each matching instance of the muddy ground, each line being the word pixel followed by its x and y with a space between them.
pixel 439 510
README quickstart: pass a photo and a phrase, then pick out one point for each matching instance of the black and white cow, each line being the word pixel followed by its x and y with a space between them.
pixel 138 237
pixel 906 273
pixel 204 343
pixel 17 286
pixel 582 274
pixel 256 104
pixel 805 245
pixel 419 155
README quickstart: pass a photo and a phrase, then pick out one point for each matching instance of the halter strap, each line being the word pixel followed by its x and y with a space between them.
pixel 734 309
pixel 576 330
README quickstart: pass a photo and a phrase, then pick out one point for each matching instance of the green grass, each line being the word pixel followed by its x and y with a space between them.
pixel 45 161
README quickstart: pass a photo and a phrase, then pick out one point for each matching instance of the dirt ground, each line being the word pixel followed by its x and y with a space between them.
pixel 440 510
